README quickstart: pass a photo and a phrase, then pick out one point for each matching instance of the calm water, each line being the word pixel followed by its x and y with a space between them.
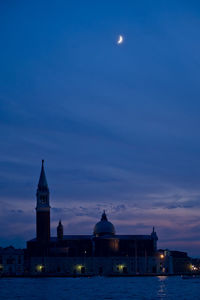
pixel 99 288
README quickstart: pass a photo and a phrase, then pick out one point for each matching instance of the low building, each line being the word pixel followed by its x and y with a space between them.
pixel 173 262
pixel 195 266
pixel 182 263
pixel 11 261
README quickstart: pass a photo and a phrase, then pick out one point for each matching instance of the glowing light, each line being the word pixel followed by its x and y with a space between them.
pixel 120 267
pixel 39 268
pixel 1 267
pixel 162 256
pixel 79 267
pixel 193 268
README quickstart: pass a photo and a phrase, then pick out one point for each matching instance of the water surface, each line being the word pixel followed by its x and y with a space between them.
pixel 99 288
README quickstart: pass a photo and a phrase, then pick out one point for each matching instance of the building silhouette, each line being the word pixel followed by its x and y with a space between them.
pixel 101 252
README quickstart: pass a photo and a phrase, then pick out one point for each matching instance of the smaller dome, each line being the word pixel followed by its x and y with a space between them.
pixel 104 227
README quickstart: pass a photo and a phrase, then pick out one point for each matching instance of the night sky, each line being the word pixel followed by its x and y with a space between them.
pixel 117 125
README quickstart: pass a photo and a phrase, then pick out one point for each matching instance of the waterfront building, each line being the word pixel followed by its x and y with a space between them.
pixel 173 262
pixel 101 252
pixel 11 261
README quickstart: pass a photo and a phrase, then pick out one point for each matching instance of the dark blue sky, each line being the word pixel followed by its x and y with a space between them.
pixel 118 126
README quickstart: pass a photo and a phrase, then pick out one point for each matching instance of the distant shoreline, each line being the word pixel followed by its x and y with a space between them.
pixel 90 276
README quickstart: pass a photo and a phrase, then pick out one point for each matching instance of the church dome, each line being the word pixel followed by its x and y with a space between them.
pixel 104 227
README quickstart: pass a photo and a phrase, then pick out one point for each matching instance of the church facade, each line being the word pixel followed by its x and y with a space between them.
pixel 103 252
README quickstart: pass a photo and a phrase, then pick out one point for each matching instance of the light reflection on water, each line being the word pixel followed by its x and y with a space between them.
pixel 162 293
pixel 153 288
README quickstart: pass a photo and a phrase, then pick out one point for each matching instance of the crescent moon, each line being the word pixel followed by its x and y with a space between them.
pixel 120 39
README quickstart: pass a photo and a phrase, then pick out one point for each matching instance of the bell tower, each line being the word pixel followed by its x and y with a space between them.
pixel 42 209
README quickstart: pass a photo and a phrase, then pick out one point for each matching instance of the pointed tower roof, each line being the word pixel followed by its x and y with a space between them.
pixel 104 217
pixel 60 224
pixel 42 184
pixel 60 231
pixel 154 234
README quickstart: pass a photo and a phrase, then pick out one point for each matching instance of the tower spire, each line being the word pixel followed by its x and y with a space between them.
pixel 60 231
pixel 42 184
pixel 43 208
pixel 154 238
